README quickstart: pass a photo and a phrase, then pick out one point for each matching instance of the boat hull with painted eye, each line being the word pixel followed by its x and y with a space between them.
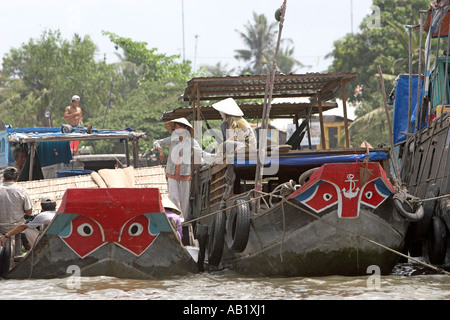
pixel 341 222
pixel 118 232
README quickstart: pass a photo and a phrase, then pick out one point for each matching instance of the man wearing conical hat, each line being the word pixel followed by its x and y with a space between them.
pixel 173 213
pixel 178 167
pixel 236 131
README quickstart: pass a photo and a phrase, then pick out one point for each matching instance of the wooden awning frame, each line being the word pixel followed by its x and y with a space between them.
pixel 319 87
pixel 284 110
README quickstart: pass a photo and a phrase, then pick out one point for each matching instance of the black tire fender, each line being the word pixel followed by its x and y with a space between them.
pixel 5 257
pixel 216 239
pixel 437 245
pixel 429 209
pixel 201 235
pixel 238 226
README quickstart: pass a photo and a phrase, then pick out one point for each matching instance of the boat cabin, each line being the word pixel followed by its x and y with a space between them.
pixel 212 184
pixel 48 150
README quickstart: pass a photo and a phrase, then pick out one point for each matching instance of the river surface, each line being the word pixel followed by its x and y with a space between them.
pixel 407 282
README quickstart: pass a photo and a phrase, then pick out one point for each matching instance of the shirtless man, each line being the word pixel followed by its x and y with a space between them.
pixel 73 113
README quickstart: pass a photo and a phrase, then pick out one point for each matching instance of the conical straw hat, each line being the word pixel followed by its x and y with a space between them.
pixel 170 125
pixel 168 204
pixel 228 106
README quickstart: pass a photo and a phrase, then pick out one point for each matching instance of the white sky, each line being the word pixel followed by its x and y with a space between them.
pixel 313 25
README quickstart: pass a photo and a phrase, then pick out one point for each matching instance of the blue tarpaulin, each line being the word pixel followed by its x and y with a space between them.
pixel 401 105
pixel 316 159
pixel 54 152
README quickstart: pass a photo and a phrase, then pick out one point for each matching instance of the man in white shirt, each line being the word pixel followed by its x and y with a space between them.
pixel 30 226
pixel 15 201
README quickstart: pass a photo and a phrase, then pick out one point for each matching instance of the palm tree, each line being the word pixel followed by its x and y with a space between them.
pixel 286 62
pixel 260 38
pixel 218 70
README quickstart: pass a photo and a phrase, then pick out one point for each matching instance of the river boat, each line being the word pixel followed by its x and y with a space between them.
pixel 109 222
pixel 422 136
pixel 322 212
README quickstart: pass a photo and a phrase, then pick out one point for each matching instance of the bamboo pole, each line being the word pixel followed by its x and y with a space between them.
pixel 394 154
pixel 266 111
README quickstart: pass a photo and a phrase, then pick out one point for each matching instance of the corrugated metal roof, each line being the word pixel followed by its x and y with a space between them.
pixel 254 87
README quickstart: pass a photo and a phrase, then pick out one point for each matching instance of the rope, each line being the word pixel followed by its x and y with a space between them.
pixel 435 198
pixel 220 210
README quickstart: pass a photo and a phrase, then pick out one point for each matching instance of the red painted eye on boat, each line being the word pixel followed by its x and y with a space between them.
pixel 368 194
pixel 327 196
pixel 85 230
pixel 135 229
pixel 135 235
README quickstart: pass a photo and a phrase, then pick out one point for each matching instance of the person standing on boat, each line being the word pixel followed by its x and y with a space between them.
pixel 178 167
pixel 15 201
pixel 237 133
pixel 74 115
pixel 20 155
pixel 29 228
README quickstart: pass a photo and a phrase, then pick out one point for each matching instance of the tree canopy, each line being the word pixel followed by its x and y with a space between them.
pixel 382 40
pixel 38 79
pixel 260 39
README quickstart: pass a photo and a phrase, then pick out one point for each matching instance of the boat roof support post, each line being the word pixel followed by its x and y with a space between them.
pixel 127 152
pixel 197 125
pixel 32 153
pixel 344 105
pixel 135 153
pixel 308 130
pixel 197 133
pixel 322 129
pixel 436 70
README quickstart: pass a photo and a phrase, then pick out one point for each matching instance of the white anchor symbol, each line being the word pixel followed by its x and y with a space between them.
pixel 350 193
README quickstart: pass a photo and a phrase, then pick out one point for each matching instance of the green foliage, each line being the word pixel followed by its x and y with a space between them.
pixel 387 45
pixel 45 73
pixel 153 65
pixel 261 39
